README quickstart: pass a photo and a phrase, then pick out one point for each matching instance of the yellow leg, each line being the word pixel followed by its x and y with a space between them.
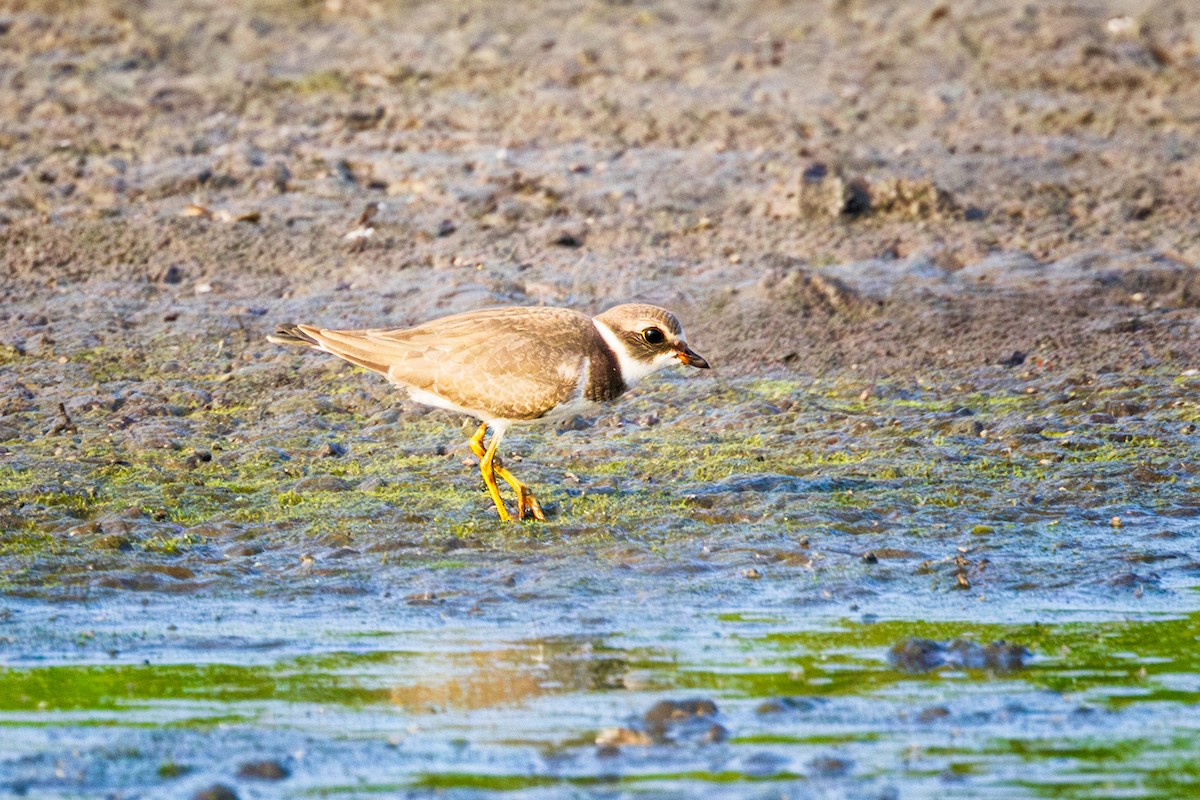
pixel 488 470
pixel 525 498
pixel 477 441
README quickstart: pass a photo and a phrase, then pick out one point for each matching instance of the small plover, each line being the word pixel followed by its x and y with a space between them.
pixel 509 366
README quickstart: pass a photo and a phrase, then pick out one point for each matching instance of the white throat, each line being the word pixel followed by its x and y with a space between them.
pixel 633 369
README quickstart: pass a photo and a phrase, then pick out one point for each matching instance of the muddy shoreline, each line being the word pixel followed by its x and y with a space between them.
pixel 943 259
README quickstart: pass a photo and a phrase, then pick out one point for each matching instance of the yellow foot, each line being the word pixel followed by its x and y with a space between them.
pixel 532 504
pixel 525 498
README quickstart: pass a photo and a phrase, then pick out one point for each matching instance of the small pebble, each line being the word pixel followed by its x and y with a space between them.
pixel 266 770
pixel 218 791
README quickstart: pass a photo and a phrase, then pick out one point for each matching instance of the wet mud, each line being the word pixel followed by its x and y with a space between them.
pixel 926 529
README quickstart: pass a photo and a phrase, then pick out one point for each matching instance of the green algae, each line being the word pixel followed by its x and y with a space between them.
pixel 1095 660
pixel 862 458
pixel 25 538
pixel 1099 668
pixel 888 446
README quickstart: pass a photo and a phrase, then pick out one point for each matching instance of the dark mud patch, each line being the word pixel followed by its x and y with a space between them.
pixel 924 655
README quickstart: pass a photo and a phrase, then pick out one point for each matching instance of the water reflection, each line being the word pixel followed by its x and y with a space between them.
pixel 506 677
pixel 1100 704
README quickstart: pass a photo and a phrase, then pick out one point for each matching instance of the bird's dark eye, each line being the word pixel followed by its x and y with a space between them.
pixel 654 336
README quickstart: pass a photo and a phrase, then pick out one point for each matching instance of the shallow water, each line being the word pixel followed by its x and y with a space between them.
pixel 369 698
pixel 361 622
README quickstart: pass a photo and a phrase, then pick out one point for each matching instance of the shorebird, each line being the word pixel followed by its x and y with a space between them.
pixel 511 366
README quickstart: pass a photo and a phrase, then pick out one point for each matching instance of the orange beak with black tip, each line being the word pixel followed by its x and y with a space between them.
pixel 692 359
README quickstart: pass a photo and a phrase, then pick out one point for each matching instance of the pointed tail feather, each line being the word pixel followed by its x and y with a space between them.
pixel 292 333
pixel 342 344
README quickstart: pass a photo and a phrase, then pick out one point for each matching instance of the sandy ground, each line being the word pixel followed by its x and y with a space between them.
pixel 1002 177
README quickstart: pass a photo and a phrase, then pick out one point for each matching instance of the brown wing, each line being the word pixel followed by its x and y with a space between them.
pixel 515 363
